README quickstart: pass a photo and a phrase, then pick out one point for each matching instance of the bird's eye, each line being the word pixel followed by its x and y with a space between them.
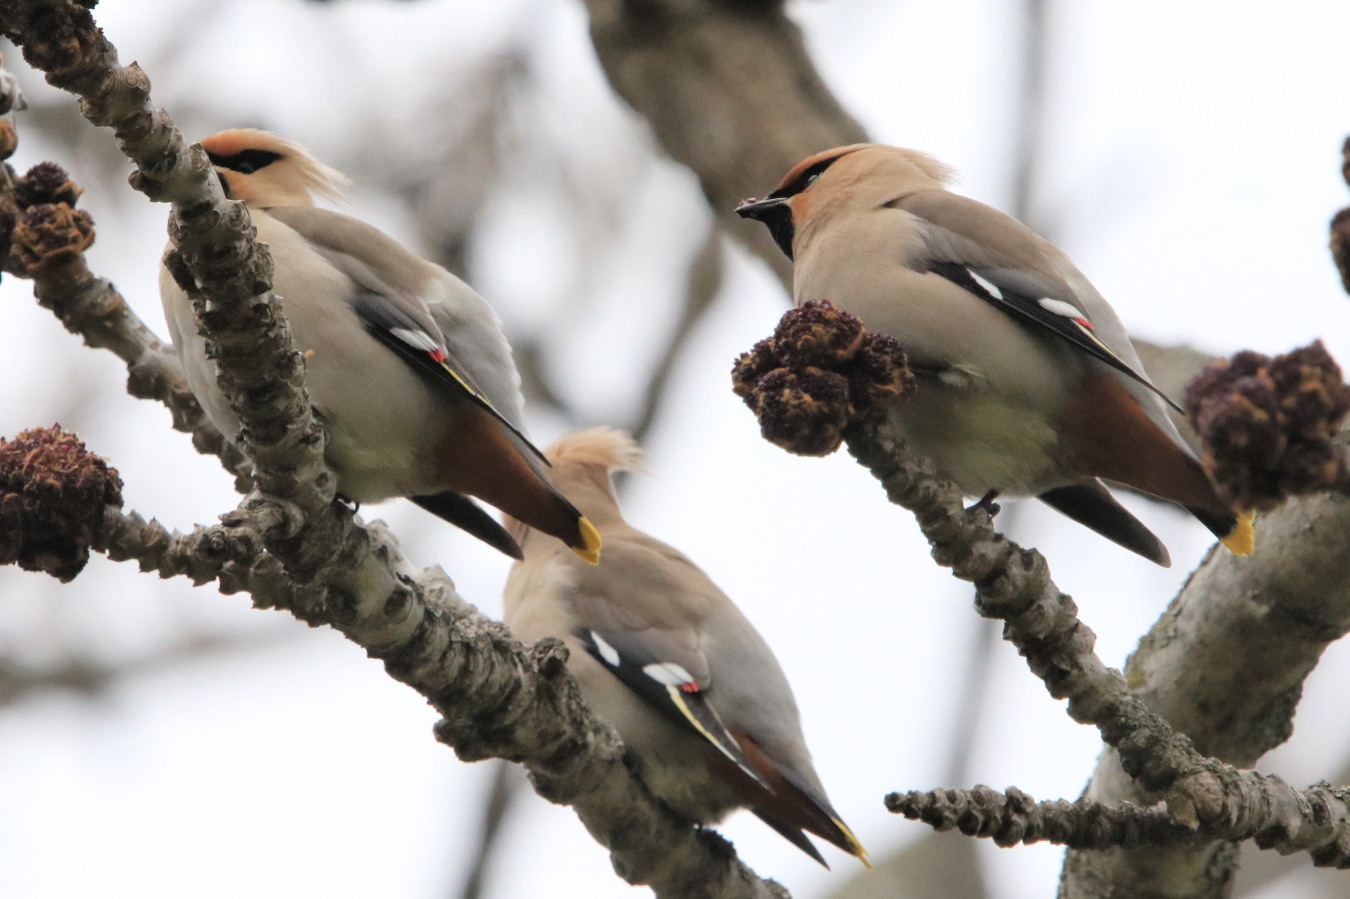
pixel 245 162
pixel 811 179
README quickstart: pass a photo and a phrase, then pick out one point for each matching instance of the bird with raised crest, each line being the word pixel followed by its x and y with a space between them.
pixel 407 366
pixel 663 655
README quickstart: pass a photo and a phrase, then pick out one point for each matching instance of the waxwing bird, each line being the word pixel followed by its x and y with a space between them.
pixel 407 366
pixel 1027 382
pixel 661 654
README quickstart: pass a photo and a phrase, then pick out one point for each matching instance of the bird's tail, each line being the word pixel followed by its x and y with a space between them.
pixel 482 459
pixel 1237 531
pixel 791 804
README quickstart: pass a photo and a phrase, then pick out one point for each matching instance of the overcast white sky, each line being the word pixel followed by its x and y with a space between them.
pixel 1191 165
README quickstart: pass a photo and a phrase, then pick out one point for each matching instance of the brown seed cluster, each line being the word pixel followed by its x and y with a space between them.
pixel 40 222
pixel 46 182
pixel 1267 424
pixel 819 372
pixel 52 495
pixel 1340 245
pixel 1340 226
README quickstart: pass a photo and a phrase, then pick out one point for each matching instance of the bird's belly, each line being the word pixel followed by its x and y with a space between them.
pixel 989 389
pixel 385 425
pixel 981 440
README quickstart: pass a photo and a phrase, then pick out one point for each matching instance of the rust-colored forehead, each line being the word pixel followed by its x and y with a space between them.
pixel 824 155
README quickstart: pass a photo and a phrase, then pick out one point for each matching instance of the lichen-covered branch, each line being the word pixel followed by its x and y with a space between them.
pixel 291 547
pixel 215 257
pixel 498 699
pixel 1014 818
pixel 1225 664
pixel 816 377
pixel 38 246
pixel 1013 584
pixel 751 151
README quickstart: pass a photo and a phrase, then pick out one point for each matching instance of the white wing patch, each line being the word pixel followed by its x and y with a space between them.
pixel 1059 307
pixel 668 674
pixel 607 652
pixel 986 284
pixel 416 338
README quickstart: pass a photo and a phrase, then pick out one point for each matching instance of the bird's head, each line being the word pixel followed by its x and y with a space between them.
pixel 265 170
pixel 856 177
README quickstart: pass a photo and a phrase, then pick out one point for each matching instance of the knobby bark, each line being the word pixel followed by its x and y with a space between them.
pixel 288 544
pixel 1225 664
pixel 1015 817
pixel 1210 798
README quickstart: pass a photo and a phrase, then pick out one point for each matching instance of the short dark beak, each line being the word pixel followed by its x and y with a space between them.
pixel 760 210
pixel 776 213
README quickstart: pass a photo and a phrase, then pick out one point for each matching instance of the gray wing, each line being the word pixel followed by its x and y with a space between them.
pixel 426 315
pixel 644 616
pixel 473 332
pixel 658 623
pixel 998 259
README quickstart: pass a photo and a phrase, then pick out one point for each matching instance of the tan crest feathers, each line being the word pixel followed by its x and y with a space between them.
pixel 609 448
pixel 931 166
pixel 877 159
pixel 297 171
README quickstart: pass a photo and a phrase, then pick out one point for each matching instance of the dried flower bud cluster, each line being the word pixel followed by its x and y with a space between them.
pixel 1340 226
pixel 11 98
pixel 46 182
pixel 41 224
pixel 818 373
pixel 1340 245
pixel 1267 424
pixel 52 495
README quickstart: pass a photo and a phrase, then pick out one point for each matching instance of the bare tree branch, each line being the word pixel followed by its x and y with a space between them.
pixel 1014 817
pixel 498 699
pixel 1013 584
pixel 92 678
pixel 500 799
pixel 729 91
pixel 630 39
pixel 92 308
pixel 291 547
pixel 839 385
pixel 704 281
pixel 1225 664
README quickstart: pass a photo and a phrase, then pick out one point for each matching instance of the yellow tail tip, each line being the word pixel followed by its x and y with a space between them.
pixel 1242 539
pixel 854 846
pixel 590 541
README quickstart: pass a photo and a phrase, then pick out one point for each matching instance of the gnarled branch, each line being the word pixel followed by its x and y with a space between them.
pixel 291 547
